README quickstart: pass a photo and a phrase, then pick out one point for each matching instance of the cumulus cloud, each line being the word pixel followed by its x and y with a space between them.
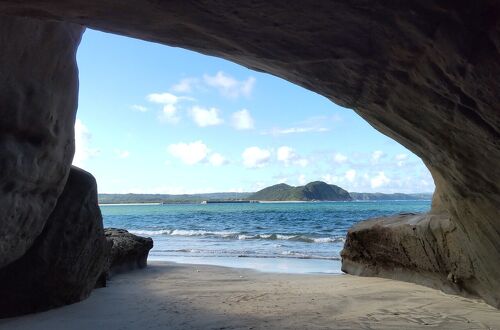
pixel 401 159
pixel 170 113
pixel 138 107
pixel 205 117
pixel 255 157
pixel 288 156
pixel 83 151
pixel 339 158
pixel 242 120
pixel 379 180
pixel 185 85
pixel 189 153
pixel 302 179
pixel 229 86
pixel 377 155
pixel 163 98
pixel 217 160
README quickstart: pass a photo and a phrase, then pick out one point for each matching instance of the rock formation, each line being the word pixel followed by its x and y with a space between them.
pixel 422 72
pixel 63 264
pixel 413 247
pixel 38 100
pixel 128 251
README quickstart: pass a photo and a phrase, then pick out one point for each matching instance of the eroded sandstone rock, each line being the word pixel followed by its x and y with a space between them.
pixel 128 251
pixel 65 261
pixel 38 101
pixel 421 248
pixel 422 72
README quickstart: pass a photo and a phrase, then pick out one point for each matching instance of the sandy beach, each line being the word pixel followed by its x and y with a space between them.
pixel 180 296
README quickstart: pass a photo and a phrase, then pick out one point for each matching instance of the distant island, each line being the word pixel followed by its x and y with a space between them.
pixel 169 199
pixel 313 191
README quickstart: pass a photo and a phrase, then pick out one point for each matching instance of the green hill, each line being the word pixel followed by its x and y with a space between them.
pixel 316 190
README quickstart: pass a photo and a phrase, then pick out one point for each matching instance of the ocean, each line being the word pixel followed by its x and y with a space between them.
pixel 290 237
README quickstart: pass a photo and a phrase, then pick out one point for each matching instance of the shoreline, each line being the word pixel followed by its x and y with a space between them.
pixel 181 296
pixel 265 202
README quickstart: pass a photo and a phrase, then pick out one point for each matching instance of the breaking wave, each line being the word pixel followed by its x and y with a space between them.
pixel 240 236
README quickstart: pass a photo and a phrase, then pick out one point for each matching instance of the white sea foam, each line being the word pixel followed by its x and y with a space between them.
pixel 151 232
pixel 180 232
pixel 236 235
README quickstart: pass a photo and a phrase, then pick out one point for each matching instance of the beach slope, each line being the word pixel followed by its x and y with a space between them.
pixel 176 296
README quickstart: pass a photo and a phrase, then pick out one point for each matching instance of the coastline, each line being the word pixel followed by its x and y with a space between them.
pixel 265 202
pixel 180 296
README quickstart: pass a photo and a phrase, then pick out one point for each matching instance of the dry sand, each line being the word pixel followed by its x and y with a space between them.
pixel 175 296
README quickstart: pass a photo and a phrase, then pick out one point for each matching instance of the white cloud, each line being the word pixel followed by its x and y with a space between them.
pixel 400 159
pixel 288 156
pixel 294 130
pixel 255 157
pixel 163 98
pixel 315 124
pixel 189 153
pixel 339 158
pixel 138 107
pixel 185 85
pixel 302 179
pixel 169 114
pixel 82 141
pixel 205 117
pixel 377 155
pixel 379 180
pixel 242 120
pixel 217 160
pixel 229 86
pixel 122 153
pixel 350 175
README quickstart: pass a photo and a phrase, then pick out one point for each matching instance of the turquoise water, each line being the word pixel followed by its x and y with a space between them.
pixel 278 237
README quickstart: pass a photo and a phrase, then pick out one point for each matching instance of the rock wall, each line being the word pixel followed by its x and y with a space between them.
pixel 38 101
pixel 424 72
pixel 65 261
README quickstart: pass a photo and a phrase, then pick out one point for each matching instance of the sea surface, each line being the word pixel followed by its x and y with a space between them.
pixel 276 237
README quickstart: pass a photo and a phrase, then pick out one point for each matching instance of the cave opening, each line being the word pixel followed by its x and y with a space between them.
pixel 158 124
pixel 424 74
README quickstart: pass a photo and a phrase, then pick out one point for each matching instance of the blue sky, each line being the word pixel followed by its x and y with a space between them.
pixel 157 119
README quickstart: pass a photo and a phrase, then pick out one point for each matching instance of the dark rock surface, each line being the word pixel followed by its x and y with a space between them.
pixel 65 261
pixel 424 72
pixel 128 251
pixel 38 101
